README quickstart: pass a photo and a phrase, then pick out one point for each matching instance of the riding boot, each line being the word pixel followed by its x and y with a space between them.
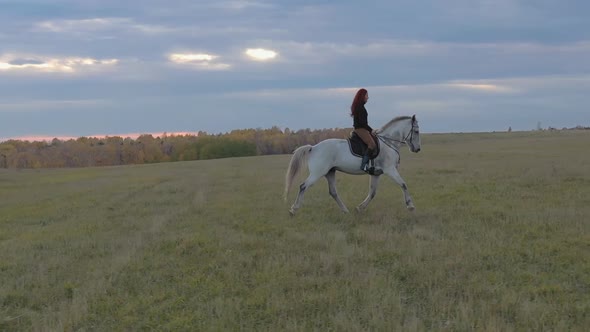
pixel 365 162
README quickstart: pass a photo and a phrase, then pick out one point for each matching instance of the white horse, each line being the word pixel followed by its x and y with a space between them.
pixel 331 155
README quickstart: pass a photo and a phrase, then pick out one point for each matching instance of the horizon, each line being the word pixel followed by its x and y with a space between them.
pixel 75 69
pixel 196 134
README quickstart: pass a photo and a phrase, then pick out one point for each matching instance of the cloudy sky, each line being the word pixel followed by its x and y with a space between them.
pixel 72 68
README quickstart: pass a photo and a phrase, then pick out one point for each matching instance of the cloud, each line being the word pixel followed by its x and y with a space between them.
pixel 198 57
pixel 48 105
pixel 92 24
pixel 481 87
pixel 418 94
pixel 406 48
pixel 241 5
pixel 455 105
pixel 37 63
pixel 198 61
pixel 100 24
pixel 261 54
pixel 445 60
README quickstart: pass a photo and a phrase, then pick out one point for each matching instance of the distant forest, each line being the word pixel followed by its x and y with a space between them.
pixel 115 150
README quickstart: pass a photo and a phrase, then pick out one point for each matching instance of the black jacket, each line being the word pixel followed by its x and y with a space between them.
pixel 360 118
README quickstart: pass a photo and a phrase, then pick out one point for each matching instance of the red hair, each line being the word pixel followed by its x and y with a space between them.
pixel 359 100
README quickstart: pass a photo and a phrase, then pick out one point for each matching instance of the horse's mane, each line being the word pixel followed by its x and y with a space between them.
pixel 399 118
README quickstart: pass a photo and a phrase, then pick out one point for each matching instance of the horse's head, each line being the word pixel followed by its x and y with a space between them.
pixel 412 138
pixel 403 130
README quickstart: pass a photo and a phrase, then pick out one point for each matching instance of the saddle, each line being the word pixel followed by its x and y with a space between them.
pixel 358 147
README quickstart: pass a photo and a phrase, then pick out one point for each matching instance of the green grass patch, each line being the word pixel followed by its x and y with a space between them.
pixel 500 241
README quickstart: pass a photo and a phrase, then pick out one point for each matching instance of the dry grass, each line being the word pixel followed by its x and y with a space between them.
pixel 500 241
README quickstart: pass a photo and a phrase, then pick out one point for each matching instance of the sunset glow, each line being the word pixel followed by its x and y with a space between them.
pixel 261 54
pixel 64 65
pixel 48 138
pixel 198 60
pixel 482 87
pixel 184 58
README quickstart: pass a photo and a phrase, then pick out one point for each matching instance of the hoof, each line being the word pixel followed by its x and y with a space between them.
pixel 411 208
pixel 291 212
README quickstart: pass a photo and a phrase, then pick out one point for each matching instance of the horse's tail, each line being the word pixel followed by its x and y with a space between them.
pixel 300 156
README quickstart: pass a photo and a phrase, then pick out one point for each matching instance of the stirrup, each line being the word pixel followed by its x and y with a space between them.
pixel 373 171
pixel 370 168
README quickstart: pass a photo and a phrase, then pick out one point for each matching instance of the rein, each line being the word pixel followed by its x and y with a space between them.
pixel 389 142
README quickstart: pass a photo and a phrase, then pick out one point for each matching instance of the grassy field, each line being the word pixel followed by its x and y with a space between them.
pixel 500 241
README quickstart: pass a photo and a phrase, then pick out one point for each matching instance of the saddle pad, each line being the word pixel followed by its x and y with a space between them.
pixel 358 147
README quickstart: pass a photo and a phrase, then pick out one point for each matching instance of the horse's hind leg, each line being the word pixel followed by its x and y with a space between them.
pixel 311 179
pixel 371 194
pixel 331 177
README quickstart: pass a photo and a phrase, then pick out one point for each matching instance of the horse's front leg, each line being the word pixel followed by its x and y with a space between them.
pixel 374 181
pixel 394 174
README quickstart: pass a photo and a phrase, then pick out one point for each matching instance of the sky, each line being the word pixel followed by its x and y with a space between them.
pixel 71 68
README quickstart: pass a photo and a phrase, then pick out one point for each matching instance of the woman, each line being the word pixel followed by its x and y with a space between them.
pixel 361 126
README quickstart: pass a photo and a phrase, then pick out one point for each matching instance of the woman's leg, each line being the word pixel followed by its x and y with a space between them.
pixel 366 136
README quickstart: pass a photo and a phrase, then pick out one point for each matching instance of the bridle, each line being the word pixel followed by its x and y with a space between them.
pixel 411 134
pixel 390 141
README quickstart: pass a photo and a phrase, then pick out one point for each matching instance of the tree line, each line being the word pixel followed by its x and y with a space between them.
pixel 116 150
